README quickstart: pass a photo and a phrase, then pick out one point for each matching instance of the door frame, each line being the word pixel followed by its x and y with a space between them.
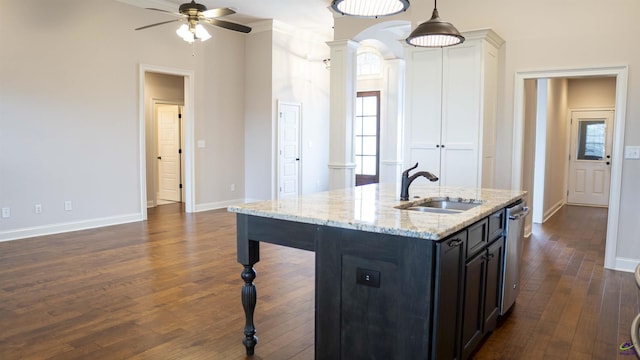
pixel 621 75
pixel 277 150
pixel 180 104
pixel 571 151
pixel 188 125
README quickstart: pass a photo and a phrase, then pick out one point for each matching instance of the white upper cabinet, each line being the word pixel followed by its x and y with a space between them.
pixel 451 109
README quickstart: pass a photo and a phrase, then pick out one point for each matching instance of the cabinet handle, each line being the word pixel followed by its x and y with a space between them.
pixel 455 242
pixel 489 256
pixel 437 145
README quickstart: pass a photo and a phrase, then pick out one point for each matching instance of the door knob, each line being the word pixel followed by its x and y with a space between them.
pixel 608 163
pixel 159 157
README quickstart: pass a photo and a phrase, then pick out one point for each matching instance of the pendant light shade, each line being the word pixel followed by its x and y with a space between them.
pixel 369 8
pixel 435 33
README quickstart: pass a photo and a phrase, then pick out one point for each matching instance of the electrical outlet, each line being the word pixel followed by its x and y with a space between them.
pixel 68 206
pixel 632 152
pixel 38 208
pixel 6 213
pixel 233 187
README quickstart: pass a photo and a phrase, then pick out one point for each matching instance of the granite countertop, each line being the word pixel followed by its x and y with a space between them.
pixel 373 208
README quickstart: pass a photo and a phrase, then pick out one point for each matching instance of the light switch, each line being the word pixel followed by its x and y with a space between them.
pixel 201 144
pixel 6 213
pixel 632 152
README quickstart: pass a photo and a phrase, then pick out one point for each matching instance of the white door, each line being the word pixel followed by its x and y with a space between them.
pixel 590 157
pixel 288 149
pixel 169 152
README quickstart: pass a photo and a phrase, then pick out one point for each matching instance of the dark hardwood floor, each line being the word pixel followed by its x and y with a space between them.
pixel 169 288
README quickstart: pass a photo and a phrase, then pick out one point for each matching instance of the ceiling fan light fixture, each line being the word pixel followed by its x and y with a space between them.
pixel 202 33
pixel 184 32
pixel 435 33
pixel 369 8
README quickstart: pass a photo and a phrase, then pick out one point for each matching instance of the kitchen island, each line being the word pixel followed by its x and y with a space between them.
pixel 391 283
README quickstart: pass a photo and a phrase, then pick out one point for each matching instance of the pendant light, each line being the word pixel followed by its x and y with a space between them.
pixel 435 32
pixel 369 8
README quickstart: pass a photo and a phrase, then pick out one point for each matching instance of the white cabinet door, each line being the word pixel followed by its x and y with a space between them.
pixel 424 80
pixel 461 94
pixel 450 92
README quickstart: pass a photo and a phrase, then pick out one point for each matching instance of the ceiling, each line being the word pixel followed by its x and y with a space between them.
pixel 311 15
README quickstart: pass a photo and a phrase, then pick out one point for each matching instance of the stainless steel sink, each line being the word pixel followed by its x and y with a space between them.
pixel 433 210
pixel 440 206
pixel 450 205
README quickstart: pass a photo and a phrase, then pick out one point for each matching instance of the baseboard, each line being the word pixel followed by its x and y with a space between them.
pixel 626 264
pixel 554 209
pixel 68 227
pixel 218 205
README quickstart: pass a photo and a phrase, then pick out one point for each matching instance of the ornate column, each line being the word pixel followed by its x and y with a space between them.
pixel 342 101
pixel 391 128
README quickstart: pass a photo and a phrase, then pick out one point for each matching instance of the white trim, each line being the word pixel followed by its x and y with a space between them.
pixel 219 204
pixel 18 234
pixel 552 211
pixel 621 74
pixel 343 166
pixel 626 264
pixel 189 126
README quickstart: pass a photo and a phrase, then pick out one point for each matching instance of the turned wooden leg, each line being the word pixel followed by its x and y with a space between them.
pixel 249 304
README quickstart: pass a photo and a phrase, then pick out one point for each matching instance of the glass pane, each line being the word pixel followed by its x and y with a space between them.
pixel 358 145
pixel 368 165
pixel 369 125
pixel 359 165
pixel 370 105
pixel 358 130
pixel 591 140
pixel 358 106
pixel 369 145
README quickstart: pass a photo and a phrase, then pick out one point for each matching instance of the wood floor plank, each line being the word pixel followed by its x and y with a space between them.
pixel 169 288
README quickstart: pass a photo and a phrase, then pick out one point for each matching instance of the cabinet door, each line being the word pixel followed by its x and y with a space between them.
pixel 422 128
pixel 461 114
pixel 446 314
pixel 473 320
pixel 493 293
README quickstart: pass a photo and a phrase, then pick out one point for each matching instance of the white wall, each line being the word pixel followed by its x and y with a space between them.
pixel 556 147
pixel 592 93
pixel 69 111
pixel 283 65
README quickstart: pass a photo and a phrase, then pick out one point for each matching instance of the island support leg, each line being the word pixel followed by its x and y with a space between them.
pixel 249 296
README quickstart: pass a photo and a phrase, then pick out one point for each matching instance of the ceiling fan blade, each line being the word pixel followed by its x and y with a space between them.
pixel 214 13
pixel 227 25
pixel 156 24
pixel 165 11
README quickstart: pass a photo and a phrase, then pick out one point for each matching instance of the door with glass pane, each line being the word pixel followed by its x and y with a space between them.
pixel 367 136
pixel 590 157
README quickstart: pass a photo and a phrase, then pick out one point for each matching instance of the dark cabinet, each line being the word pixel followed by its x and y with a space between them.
pixel 450 257
pixel 482 283
pixel 467 288
pixel 472 321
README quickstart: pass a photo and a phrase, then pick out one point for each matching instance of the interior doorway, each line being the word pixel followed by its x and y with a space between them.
pixel 148 134
pixel 518 160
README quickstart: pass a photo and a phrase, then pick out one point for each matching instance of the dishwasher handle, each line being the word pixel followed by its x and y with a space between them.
pixel 520 214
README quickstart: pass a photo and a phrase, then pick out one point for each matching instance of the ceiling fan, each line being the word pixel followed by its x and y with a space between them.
pixel 194 15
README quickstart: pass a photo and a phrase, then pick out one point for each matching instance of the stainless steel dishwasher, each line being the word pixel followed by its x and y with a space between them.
pixel 514 232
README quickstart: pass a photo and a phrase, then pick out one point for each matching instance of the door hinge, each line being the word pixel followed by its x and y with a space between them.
pixel 179 116
pixel 281 114
pixel 179 151
pixel 180 186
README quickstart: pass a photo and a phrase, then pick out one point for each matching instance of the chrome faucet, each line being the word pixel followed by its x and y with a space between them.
pixel 407 180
